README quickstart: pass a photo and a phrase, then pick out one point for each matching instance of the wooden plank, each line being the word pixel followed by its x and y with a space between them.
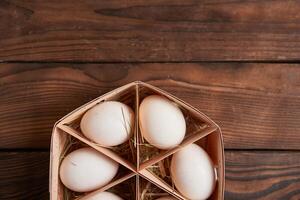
pixel 256 105
pixel 249 175
pixel 262 175
pixel 24 175
pixel 149 30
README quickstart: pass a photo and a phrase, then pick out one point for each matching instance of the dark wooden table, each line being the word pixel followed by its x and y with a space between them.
pixel 237 61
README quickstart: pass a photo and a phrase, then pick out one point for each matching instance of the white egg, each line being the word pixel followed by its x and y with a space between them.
pixel 166 198
pixel 86 169
pixel 105 196
pixel 109 123
pixel 193 173
pixel 162 123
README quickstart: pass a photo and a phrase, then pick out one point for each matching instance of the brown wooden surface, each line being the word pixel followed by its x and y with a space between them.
pixel 249 175
pixel 24 175
pixel 262 175
pixel 57 55
pixel 149 30
pixel 257 105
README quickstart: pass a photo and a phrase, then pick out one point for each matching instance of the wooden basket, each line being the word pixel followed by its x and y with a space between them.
pixel 144 168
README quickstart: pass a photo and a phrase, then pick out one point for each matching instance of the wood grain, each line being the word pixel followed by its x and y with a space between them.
pixel 262 175
pixel 257 105
pixel 24 175
pixel 249 175
pixel 149 30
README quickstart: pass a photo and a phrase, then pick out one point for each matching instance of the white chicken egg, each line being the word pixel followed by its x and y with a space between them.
pixel 193 173
pixel 166 198
pixel 86 169
pixel 109 123
pixel 162 123
pixel 104 196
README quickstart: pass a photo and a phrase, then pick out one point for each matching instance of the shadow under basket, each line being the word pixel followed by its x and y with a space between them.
pixel 144 168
